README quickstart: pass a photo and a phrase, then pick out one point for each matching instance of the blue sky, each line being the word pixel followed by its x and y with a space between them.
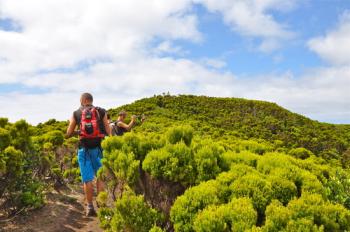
pixel 310 20
pixel 290 52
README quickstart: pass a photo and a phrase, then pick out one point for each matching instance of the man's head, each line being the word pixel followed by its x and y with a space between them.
pixel 122 115
pixel 86 99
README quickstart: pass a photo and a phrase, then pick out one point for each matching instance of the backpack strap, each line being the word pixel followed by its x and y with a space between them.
pixel 98 113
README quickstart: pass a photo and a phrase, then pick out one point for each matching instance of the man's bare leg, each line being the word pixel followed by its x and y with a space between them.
pixel 88 190
pixel 100 186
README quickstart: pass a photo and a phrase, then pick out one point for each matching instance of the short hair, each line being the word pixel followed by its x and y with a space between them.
pixel 122 113
pixel 87 96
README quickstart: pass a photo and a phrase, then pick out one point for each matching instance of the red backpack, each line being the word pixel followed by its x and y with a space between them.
pixel 90 124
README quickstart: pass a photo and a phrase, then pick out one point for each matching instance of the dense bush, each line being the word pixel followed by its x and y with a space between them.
pixel 274 188
pixel 131 213
pixel 300 153
pixel 338 188
pixel 238 215
pixel 208 162
pixel 245 157
pixel 183 133
pixel 173 162
pixel 255 187
pixel 5 138
pixel 282 189
pixel 308 213
pixel 195 199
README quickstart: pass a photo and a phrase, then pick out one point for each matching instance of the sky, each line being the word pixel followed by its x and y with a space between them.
pixel 295 53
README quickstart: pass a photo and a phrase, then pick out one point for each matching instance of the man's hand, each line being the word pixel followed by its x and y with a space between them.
pixel 143 118
pixel 133 118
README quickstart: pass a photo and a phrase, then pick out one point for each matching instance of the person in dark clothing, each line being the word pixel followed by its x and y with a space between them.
pixel 120 127
pixel 93 126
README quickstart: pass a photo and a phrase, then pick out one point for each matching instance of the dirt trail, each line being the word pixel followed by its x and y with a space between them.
pixel 64 212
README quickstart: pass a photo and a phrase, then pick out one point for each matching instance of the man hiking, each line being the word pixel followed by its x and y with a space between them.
pixel 93 126
pixel 120 127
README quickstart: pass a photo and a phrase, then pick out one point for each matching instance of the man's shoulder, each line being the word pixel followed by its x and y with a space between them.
pixel 77 113
pixel 101 110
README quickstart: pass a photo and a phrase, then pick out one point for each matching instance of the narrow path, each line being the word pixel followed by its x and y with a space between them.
pixel 64 212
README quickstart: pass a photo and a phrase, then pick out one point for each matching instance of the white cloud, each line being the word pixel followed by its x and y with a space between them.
pixel 62 33
pixel 334 47
pixel 167 47
pixel 213 63
pixel 252 18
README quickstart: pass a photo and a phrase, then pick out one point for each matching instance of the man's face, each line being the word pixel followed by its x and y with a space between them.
pixel 123 116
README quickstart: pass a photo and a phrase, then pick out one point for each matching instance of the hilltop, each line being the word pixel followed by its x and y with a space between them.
pixel 241 118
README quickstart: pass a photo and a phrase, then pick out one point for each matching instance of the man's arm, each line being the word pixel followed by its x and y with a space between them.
pixel 106 124
pixel 128 126
pixel 112 128
pixel 71 127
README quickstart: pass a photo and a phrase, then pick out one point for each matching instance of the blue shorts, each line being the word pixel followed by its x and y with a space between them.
pixel 89 163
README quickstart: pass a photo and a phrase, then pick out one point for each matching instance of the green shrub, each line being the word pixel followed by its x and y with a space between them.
pixel 303 224
pixel 332 217
pixel 149 143
pixel 105 216
pixel 2 164
pixel 111 144
pixel 245 157
pixel 310 184
pixel 102 198
pixel 21 135
pixel 255 187
pixel 317 167
pixel 32 195
pixel 277 217
pixel 207 161
pixel 124 166
pixel 282 189
pixel 225 179
pixel 71 174
pixel 300 153
pixel 254 146
pixel 270 161
pixel 197 198
pixel 3 122
pixel 180 133
pixel 56 138
pixel 14 163
pixel 308 213
pixel 238 215
pixel 173 162
pixel 131 143
pixel 5 138
pixel 132 213
pixel 212 218
pixel 338 188
pixel 156 229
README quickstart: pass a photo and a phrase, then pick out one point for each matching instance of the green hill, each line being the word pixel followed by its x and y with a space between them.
pixel 196 164
pixel 246 119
